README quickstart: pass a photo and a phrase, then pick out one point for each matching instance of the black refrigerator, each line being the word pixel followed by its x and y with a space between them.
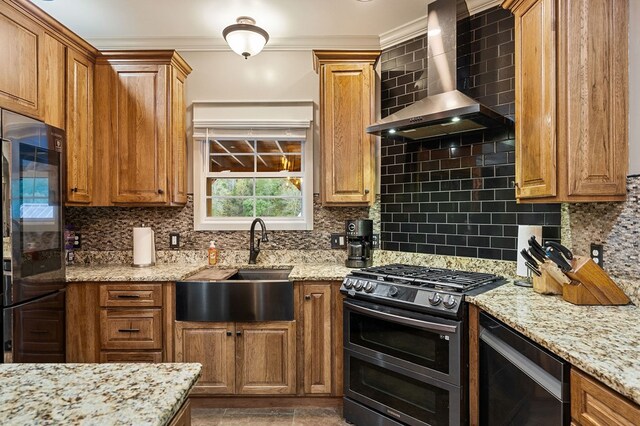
pixel 33 260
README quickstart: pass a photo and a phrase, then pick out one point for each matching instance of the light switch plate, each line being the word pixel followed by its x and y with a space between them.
pixel 174 240
pixel 375 241
pixel 338 241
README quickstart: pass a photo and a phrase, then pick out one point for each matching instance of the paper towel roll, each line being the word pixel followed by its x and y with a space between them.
pixel 144 247
pixel 524 233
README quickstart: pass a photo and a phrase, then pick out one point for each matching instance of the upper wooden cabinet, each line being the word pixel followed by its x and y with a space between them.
pixel 140 128
pixel 22 56
pixel 80 73
pixel 571 100
pixel 347 107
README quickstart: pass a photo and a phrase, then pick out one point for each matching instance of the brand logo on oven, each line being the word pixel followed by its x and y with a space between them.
pixel 394 413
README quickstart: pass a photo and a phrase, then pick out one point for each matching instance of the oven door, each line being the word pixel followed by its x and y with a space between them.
pixel 401 394
pixel 420 343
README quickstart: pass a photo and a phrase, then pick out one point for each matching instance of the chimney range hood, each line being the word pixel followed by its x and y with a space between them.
pixel 445 110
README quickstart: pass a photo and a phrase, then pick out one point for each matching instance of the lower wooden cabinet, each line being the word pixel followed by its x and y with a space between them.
pixel 593 404
pixel 240 358
pixel 183 416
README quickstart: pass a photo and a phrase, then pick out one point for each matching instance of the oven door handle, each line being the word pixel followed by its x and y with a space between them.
pixel 445 328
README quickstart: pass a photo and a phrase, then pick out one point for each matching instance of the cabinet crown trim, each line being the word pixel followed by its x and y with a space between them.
pixel 138 57
pixel 321 57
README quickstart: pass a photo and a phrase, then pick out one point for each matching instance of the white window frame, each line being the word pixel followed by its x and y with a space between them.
pixel 290 120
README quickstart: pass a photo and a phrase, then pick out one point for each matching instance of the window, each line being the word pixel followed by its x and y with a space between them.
pixel 244 173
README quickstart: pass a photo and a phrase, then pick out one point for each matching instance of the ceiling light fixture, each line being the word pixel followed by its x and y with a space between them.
pixel 244 37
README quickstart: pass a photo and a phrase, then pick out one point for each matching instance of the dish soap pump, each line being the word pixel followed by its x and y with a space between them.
pixel 213 254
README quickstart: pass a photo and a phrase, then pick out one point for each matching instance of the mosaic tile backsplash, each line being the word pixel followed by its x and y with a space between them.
pixel 453 196
pixel 111 228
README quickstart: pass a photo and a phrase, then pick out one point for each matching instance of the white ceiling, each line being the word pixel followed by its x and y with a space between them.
pixel 198 24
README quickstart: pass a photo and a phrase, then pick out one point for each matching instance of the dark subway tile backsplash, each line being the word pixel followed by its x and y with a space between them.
pixel 454 196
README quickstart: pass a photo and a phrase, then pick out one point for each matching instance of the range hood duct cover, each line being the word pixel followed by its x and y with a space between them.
pixel 445 110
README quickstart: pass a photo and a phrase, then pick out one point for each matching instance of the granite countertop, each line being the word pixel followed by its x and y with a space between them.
pixel 177 272
pixel 92 394
pixel 600 340
pixel 159 272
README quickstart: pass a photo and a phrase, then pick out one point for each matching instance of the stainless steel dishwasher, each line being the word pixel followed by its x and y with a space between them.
pixel 249 295
pixel 521 383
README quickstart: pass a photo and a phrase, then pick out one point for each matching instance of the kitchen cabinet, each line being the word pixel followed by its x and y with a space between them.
pixel 54 82
pixel 240 358
pixel 594 404
pixel 22 46
pixel 140 128
pixel 183 416
pixel 571 100
pixel 80 74
pixel 347 107
pixel 119 322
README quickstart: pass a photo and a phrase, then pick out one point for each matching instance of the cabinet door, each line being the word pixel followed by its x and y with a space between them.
pixel 54 82
pixel 317 338
pixel 80 72
pixel 21 46
pixel 593 404
pixel 178 140
pixel 595 35
pixel 535 41
pixel 266 358
pixel 347 149
pixel 213 346
pixel 139 155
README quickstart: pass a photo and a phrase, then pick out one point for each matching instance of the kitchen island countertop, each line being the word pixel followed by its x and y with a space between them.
pixel 91 394
pixel 600 340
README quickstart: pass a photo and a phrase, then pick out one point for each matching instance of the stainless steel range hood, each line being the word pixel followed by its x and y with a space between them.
pixel 445 110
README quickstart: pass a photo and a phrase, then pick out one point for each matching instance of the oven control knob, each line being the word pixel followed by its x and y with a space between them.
pixel 435 299
pixel 369 287
pixel 393 291
pixel 449 302
pixel 359 285
pixel 348 283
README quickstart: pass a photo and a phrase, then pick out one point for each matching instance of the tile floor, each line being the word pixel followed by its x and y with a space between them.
pixel 308 416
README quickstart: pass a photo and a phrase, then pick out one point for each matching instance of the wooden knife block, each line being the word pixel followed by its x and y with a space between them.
pixel 551 281
pixel 591 285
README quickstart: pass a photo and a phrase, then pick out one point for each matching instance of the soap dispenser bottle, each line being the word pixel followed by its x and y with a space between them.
pixel 213 254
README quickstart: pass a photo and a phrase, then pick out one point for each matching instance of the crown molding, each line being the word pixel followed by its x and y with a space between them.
pixel 218 44
pixel 477 6
pixel 404 32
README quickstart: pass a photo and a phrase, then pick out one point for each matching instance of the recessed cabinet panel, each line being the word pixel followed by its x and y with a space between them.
pixel 140 149
pixel 54 83
pixel 178 173
pixel 317 338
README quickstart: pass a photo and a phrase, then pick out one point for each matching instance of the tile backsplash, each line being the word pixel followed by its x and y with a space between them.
pixel 453 195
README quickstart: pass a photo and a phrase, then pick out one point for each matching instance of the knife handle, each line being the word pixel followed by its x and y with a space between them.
pixel 562 249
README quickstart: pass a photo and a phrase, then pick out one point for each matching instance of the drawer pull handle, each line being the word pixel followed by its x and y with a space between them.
pixel 128 296
pixel 129 330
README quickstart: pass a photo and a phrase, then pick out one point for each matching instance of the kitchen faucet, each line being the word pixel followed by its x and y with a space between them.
pixel 253 252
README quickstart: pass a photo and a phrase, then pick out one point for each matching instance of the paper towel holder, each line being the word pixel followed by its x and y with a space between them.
pixel 144 247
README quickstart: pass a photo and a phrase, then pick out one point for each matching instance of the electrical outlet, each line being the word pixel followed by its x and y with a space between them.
pixel 174 240
pixel 338 241
pixel 375 241
pixel 597 254
pixel 77 241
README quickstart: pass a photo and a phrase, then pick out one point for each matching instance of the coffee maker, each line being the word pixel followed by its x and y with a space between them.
pixel 359 243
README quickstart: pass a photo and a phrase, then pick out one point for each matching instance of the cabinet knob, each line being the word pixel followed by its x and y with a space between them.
pixel 229 333
pixel 160 191
pixel 238 333
pixel 366 191
pixel 307 297
pixel 74 189
pixel 514 184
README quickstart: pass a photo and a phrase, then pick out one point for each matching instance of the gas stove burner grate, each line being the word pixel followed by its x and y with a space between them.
pixel 437 278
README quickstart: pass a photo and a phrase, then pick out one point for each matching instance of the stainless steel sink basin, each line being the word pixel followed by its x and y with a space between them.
pixel 261 275
pixel 248 295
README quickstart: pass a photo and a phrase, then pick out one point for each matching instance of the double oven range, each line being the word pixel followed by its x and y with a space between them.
pixel 406 344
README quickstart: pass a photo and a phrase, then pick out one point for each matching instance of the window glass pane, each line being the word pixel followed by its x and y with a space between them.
pixel 278 163
pixel 270 187
pixel 279 207
pixel 230 207
pixel 274 146
pixel 231 147
pixel 229 187
pixel 231 163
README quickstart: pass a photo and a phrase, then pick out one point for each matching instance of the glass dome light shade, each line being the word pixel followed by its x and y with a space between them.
pixel 245 38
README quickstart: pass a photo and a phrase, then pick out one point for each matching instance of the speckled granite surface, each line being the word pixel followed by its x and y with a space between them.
pixel 159 272
pixel 601 340
pixel 319 272
pixel 94 394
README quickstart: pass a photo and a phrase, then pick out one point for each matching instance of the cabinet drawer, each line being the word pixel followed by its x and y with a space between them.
pixel 131 295
pixel 593 404
pixel 153 357
pixel 131 329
